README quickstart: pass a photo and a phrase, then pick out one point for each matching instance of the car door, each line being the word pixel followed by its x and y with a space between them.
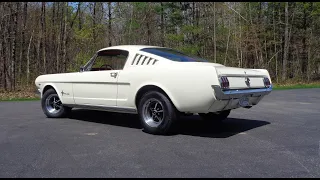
pixel 97 84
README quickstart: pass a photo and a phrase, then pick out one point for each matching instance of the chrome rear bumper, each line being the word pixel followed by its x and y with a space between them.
pixel 235 93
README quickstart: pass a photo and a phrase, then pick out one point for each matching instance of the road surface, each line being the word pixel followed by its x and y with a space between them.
pixel 280 137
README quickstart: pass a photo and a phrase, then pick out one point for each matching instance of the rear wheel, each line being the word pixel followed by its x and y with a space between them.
pixel 52 105
pixel 156 112
pixel 217 117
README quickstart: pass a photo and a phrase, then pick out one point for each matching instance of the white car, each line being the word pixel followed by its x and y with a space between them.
pixel 157 83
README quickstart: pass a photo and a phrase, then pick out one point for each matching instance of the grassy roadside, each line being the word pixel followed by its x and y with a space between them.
pixel 296 86
pixel 21 94
pixel 30 94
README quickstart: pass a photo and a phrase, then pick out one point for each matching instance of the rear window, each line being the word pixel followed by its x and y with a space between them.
pixel 173 55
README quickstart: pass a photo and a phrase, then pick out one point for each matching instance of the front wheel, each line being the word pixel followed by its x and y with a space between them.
pixel 156 112
pixel 52 105
pixel 216 116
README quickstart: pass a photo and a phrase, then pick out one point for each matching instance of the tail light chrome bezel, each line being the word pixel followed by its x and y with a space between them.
pixel 266 82
pixel 224 82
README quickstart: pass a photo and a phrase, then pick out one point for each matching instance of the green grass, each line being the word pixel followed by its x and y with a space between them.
pixel 295 86
pixel 20 99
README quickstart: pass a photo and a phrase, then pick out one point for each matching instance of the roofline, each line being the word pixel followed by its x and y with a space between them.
pixel 126 47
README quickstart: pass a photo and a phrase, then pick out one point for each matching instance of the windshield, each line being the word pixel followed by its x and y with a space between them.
pixel 173 55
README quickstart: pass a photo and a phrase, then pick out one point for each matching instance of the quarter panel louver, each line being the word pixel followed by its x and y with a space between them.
pixel 141 56
pixel 149 61
pixel 134 59
pixel 143 60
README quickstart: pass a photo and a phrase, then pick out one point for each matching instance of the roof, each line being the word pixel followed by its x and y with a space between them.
pixel 129 47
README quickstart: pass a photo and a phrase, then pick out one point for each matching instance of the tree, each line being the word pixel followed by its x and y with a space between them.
pixel 43 35
pixel 286 43
pixel 109 23
pixel 53 37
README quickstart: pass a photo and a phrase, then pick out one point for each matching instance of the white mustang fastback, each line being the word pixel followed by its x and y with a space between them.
pixel 157 83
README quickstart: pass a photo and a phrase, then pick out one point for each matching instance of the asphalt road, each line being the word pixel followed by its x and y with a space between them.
pixel 280 137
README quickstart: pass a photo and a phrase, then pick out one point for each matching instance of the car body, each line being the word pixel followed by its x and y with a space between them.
pixel 117 78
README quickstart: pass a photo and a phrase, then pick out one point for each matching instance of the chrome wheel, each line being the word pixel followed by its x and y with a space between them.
pixel 53 104
pixel 153 112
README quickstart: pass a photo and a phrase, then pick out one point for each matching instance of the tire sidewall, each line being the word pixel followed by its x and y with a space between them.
pixel 169 113
pixel 61 113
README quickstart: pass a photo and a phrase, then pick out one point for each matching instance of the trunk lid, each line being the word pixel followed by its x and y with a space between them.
pixel 238 77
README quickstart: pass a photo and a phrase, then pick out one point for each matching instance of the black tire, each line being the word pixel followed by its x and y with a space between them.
pixel 149 122
pixel 63 111
pixel 216 117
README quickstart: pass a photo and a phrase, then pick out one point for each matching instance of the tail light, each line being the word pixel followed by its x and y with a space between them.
pixel 266 82
pixel 224 82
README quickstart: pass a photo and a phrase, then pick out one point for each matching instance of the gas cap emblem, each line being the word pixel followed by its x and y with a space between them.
pixel 247 79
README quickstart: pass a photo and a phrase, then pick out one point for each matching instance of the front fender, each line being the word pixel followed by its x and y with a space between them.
pixel 55 87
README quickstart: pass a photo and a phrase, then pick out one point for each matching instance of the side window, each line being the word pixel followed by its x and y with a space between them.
pixel 109 60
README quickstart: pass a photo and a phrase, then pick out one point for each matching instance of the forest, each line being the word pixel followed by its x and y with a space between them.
pixel 55 37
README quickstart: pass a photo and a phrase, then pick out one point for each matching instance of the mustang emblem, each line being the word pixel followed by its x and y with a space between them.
pixel 247 81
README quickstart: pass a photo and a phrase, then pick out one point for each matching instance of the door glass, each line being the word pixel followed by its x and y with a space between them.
pixel 109 60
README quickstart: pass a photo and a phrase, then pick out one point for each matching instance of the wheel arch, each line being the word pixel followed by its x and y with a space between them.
pixel 149 87
pixel 48 86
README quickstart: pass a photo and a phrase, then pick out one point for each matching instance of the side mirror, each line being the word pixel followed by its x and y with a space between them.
pixel 81 69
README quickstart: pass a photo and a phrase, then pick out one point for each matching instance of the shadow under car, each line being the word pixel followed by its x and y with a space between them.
pixel 186 125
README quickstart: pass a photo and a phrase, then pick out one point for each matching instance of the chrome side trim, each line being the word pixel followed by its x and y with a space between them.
pixel 235 94
pixel 104 108
pixel 87 82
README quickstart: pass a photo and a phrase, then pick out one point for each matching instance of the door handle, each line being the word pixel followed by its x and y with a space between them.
pixel 114 74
